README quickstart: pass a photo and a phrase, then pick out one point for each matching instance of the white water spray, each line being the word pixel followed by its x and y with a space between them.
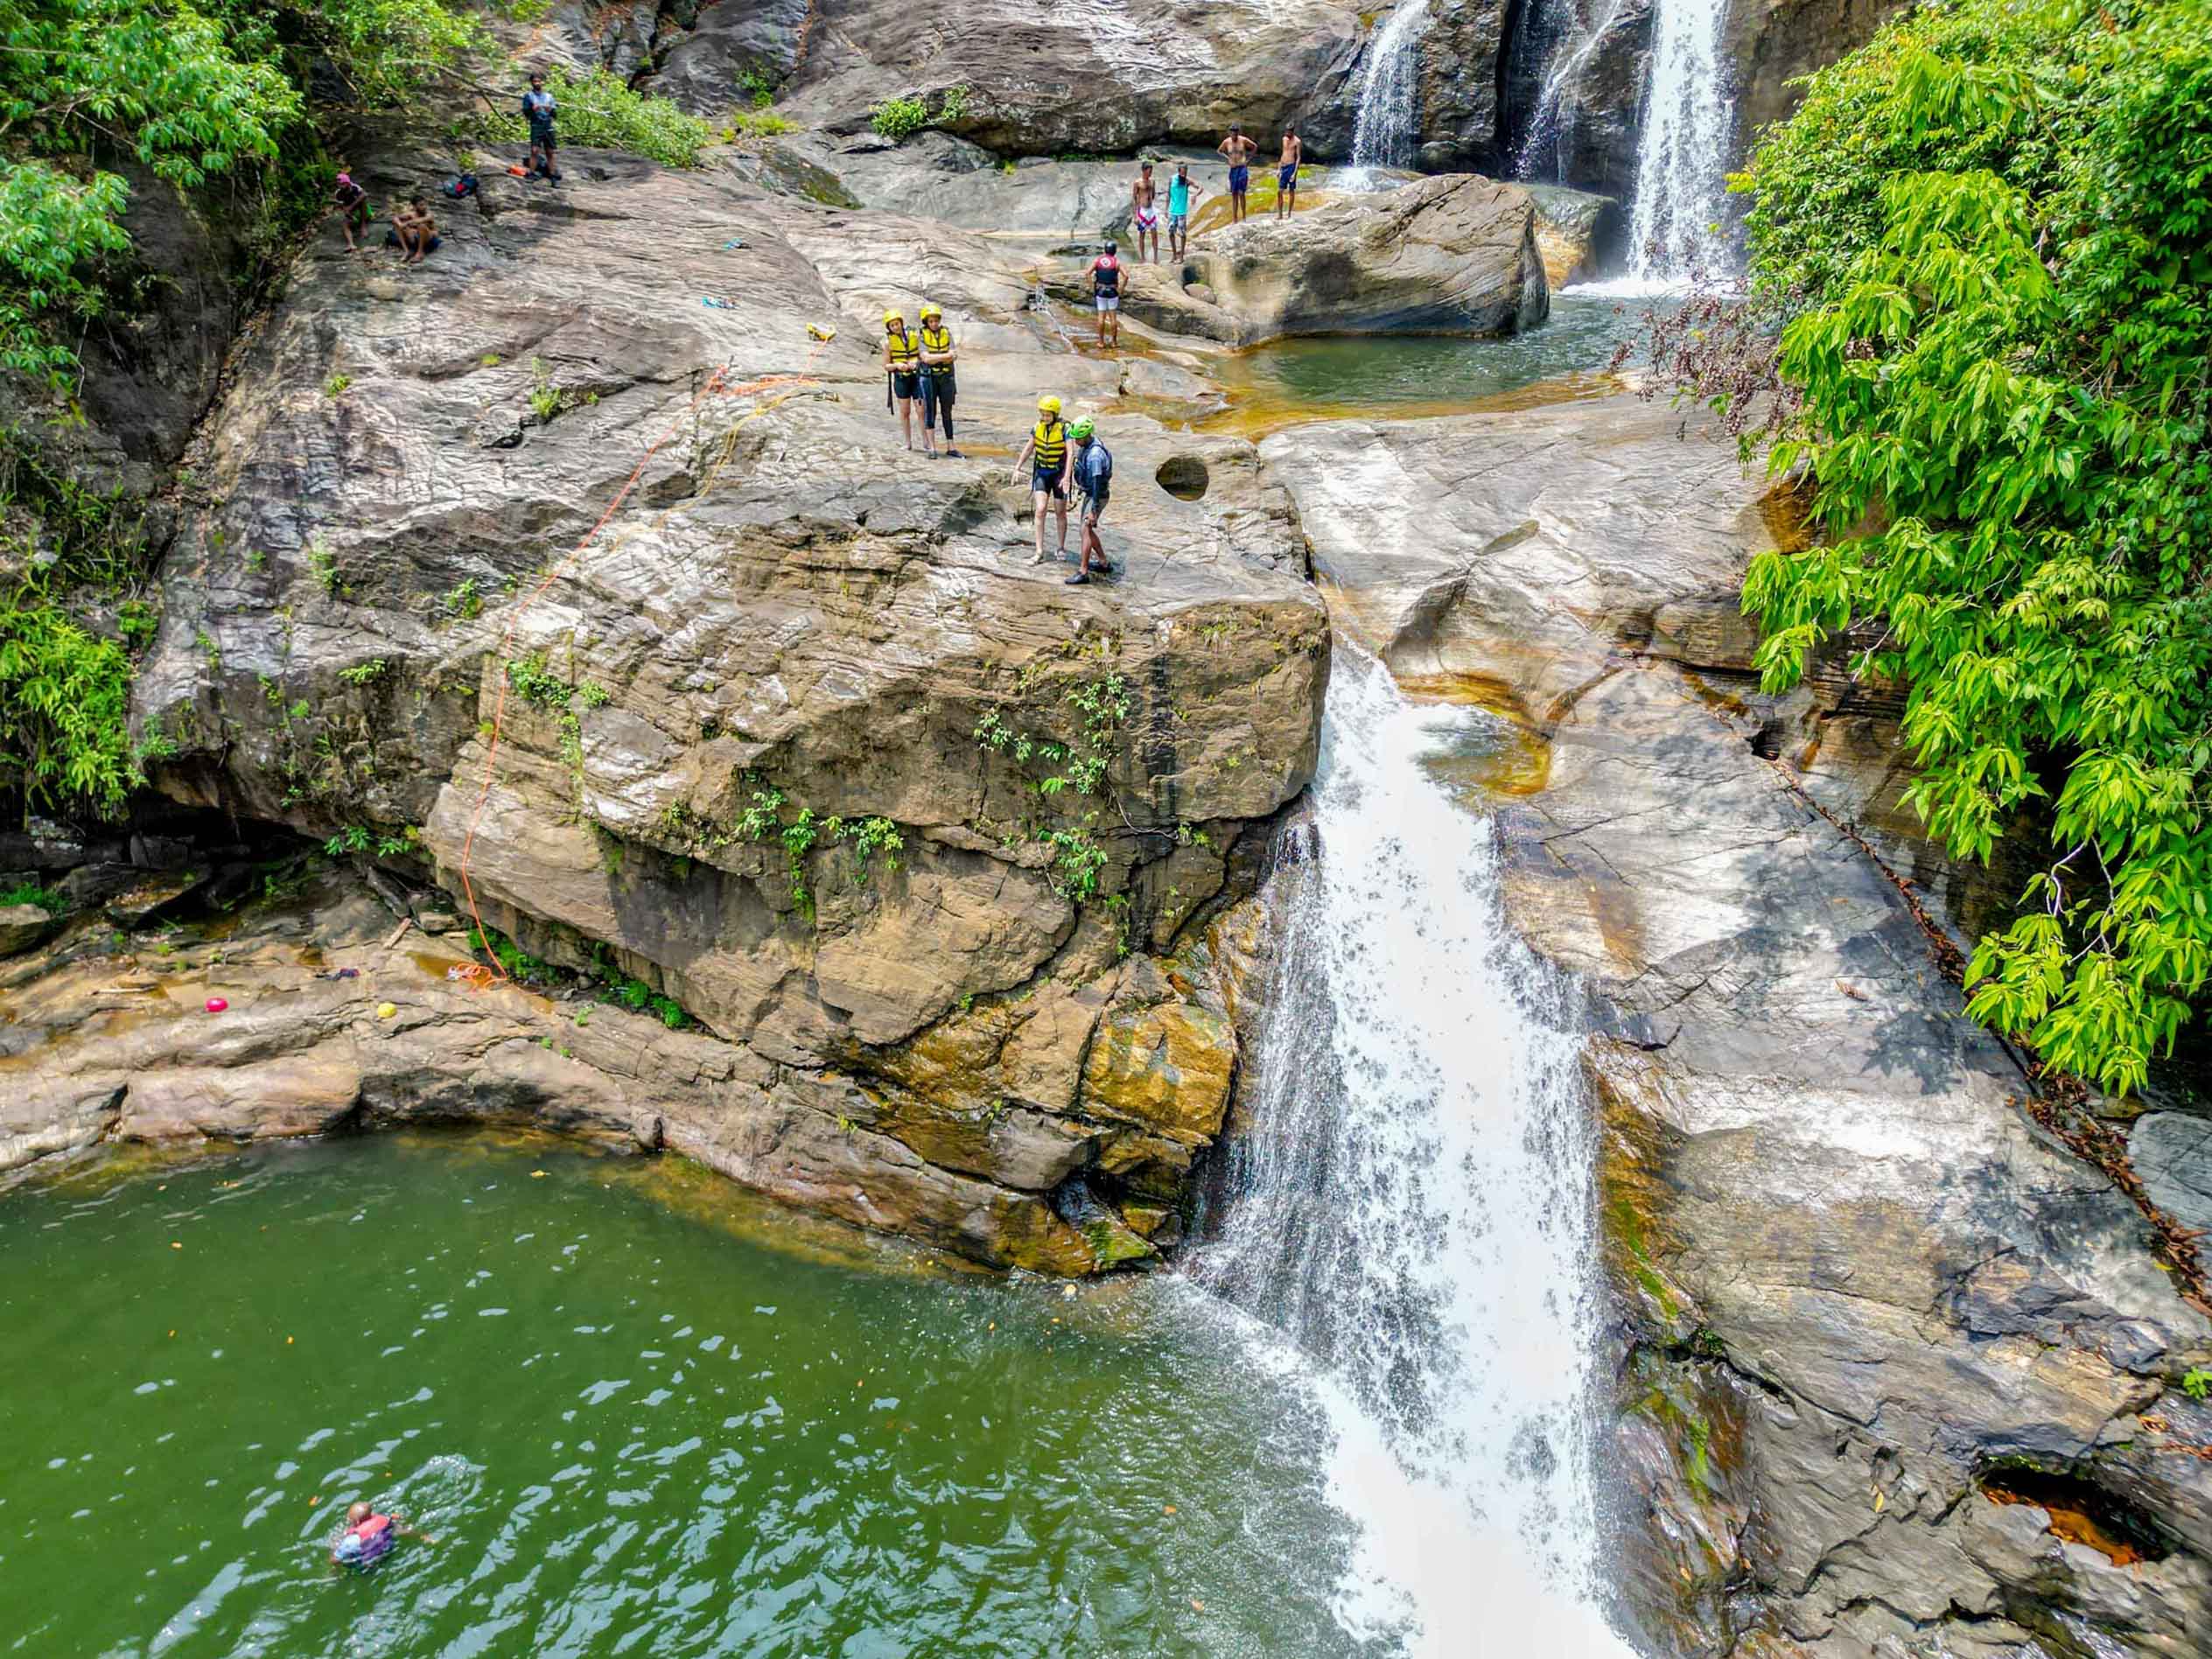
pixel 1383 111
pixel 1545 146
pixel 1682 164
pixel 1411 1203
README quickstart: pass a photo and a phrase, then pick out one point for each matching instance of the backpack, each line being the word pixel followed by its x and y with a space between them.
pixel 458 188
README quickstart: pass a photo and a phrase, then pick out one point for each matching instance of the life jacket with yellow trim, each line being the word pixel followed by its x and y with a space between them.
pixel 937 339
pixel 1051 439
pixel 905 351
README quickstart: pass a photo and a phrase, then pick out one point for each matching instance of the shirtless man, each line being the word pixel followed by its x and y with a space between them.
pixel 1286 174
pixel 1144 217
pixel 1238 150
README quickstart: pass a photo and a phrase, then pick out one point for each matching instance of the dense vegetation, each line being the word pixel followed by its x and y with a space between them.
pixel 1982 259
pixel 218 92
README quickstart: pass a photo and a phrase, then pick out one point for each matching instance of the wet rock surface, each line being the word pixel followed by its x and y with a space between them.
pixel 1857 1278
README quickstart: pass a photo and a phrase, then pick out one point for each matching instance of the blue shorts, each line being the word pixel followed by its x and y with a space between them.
pixel 905 385
pixel 1286 179
pixel 1238 177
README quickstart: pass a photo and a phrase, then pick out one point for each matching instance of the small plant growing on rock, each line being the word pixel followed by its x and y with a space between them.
pixel 2197 1382
pixel 322 564
pixel 364 673
pixel 464 600
pixel 336 385
pixel 546 400
pixel 899 118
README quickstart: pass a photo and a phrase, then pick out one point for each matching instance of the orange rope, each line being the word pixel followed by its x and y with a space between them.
pixel 712 387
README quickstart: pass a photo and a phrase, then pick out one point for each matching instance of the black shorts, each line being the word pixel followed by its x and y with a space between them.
pixel 1044 483
pixel 541 135
pixel 905 385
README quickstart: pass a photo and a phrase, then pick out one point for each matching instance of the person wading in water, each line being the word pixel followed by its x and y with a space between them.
pixel 1144 212
pixel 1106 291
pixel 369 1536
pixel 1286 174
pixel 1239 150
pixel 902 373
pixel 938 356
pixel 1046 453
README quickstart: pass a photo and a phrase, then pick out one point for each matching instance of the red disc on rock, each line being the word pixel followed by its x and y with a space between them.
pixel 216 1004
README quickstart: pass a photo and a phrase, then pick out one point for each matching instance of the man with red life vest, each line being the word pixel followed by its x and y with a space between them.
pixel 368 1537
pixel 1106 291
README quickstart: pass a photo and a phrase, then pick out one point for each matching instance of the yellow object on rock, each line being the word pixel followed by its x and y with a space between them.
pixel 385 1010
pixel 817 331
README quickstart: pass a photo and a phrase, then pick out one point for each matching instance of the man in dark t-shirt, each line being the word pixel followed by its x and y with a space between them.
pixel 538 109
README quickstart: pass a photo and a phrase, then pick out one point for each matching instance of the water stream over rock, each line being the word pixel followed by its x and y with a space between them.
pixel 1678 213
pixel 1382 132
pixel 1410 1200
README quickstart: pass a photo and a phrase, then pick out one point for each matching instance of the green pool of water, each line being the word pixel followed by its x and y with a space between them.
pixel 631 1425
pixel 1413 373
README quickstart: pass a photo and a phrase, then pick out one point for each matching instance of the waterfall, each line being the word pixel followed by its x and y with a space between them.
pixel 1409 1200
pixel 1382 119
pixel 1559 47
pixel 1682 163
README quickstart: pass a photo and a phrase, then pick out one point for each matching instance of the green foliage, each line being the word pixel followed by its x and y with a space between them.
pixel 2196 1383
pixel 1990 235
pixel 465 601
pixel 953 106
pixel 1102 705
pixel 358 839
pixel 364 673
pixel 898 118
pixel 599 111
pixel 546 400
pixel 538 685
pixel 336 385
pixel 52 901
pixel 322 564
pixel 65 707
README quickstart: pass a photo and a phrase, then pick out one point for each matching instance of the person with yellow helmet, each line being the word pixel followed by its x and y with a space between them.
pixel 938 356
pixel 1044 451
pixel 902 372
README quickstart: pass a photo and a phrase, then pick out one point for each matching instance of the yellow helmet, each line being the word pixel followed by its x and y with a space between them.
pixel 890 317
pixel 1049 404
pixel 929 311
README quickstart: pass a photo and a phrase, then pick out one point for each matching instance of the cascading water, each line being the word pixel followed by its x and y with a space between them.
pixel 1410 1202
pixel 1556 40
pixel 1383 115
pixel 1682 163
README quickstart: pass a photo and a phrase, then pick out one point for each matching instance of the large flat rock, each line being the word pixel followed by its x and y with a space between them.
pixel 1861 1280
pixel 571 547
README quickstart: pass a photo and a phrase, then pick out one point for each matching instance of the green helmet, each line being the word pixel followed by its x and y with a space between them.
pixel 1082 428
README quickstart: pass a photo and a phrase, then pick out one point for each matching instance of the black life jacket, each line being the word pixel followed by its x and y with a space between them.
pixel 1107 273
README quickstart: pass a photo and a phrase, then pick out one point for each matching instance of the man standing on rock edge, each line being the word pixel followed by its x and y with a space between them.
pixel 1178 209
pixel 938 388
pixel 1286 174
pixel 1144 212
pixel 538 109
pixel 1045 452
pixel 1239 150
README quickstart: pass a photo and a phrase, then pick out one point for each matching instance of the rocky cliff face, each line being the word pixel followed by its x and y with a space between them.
pixel 575 555
pixel 1896 1368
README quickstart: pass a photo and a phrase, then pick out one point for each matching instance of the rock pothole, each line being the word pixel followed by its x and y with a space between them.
pixel 1184 477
